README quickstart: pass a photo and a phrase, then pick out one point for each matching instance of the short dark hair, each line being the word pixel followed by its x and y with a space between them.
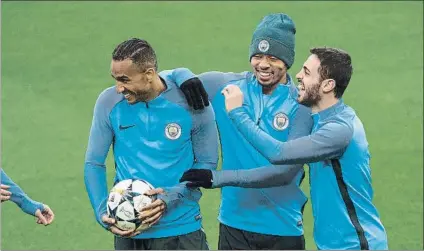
pixel 335 64
pixel 139 51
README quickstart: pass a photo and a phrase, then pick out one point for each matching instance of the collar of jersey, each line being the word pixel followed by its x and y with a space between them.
pixel 330 111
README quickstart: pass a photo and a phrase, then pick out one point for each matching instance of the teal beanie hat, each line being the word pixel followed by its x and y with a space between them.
pixel 275 36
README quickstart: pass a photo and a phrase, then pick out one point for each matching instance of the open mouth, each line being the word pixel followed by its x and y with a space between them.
pixel 264 75
pixel 301 90
pixel 127 94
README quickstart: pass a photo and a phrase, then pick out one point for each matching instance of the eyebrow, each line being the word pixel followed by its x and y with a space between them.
pixel 120 78
pixel 306 69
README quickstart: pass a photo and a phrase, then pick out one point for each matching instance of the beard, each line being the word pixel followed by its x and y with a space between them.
pixel 143 96
pixel 311 96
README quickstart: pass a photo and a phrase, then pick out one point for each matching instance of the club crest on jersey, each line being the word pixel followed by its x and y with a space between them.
pixel 281 121
pixel 173 131
pixel 263 46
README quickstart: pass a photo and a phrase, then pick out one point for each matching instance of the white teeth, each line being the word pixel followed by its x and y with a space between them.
pixel 264 74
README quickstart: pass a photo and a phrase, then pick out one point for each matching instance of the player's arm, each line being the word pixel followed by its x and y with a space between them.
pixel 199 89
pixel 100 139
pixel 42 212
pixel 262 177
pixel 18 196
pixel 328 142
pixel 204 137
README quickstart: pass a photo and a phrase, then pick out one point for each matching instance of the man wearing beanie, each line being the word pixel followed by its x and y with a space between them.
pixel 267 218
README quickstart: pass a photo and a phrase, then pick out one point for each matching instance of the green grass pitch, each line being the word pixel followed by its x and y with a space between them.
pixel 56 58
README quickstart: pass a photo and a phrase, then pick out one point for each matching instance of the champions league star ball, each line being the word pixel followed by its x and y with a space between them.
pixel 125 201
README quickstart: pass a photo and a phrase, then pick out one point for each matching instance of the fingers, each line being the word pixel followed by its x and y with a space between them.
pixel 120 232
pixel 156 205
pixel 233 97
pixel 4 198
pixel 231 90
pixel 156 221
pixel 189 176
pixel 198 98
pixel 154 191
pixel 4 186
pixel 5 192
pixel 152 213
pixel 204 95
pixel 48 214
pixel 108 220
pixel 153 219
pixel 195 94
pixel 195 184
pixel 197 178
pixel 41 217
pixel 134 234
pixel 123 233
pixel 196 104
pixel 225 92
pixel 187 96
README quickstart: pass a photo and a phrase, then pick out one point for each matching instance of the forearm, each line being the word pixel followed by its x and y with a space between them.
pixel 172 196
pixel 96 186
pixel 262 177
pixel 204 138
pixel 328 142
pixel 18 196
pixel 262 141
pixel 213 81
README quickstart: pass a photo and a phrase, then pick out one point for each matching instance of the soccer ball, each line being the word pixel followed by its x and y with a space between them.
pixel 125 201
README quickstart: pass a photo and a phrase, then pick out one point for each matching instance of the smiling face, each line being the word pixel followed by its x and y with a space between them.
pixel 134 68
pixel 309 82
pixel 268 70
pixel 130 82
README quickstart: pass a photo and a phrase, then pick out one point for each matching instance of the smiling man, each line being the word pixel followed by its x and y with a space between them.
pixel 336 150
pixel 155 136
pixel 269 218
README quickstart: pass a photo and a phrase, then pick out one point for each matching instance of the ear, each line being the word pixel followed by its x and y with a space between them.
pixel 150 73
pixel 328 85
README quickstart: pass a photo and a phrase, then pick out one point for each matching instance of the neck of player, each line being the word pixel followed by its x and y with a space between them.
pixel 158 88
pixel 324 103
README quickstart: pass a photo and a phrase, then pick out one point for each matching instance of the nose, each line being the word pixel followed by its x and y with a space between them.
pixel 299 75
pixel 263 63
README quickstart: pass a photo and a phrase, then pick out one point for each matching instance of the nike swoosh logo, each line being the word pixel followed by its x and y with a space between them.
pixel 121 127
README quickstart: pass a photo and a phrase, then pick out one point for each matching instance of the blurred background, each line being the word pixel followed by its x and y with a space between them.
pixel 55 60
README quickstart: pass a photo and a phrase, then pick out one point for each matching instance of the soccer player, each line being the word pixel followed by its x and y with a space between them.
pixel 337 153
pixel 155 137
pixel 11 191
pixel 258 218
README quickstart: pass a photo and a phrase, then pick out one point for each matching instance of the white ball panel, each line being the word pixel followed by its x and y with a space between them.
pixel 114 199
pixel 140 187
pixel 125 211
pixel 141 201
pixel 122 186
pixel 125 225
